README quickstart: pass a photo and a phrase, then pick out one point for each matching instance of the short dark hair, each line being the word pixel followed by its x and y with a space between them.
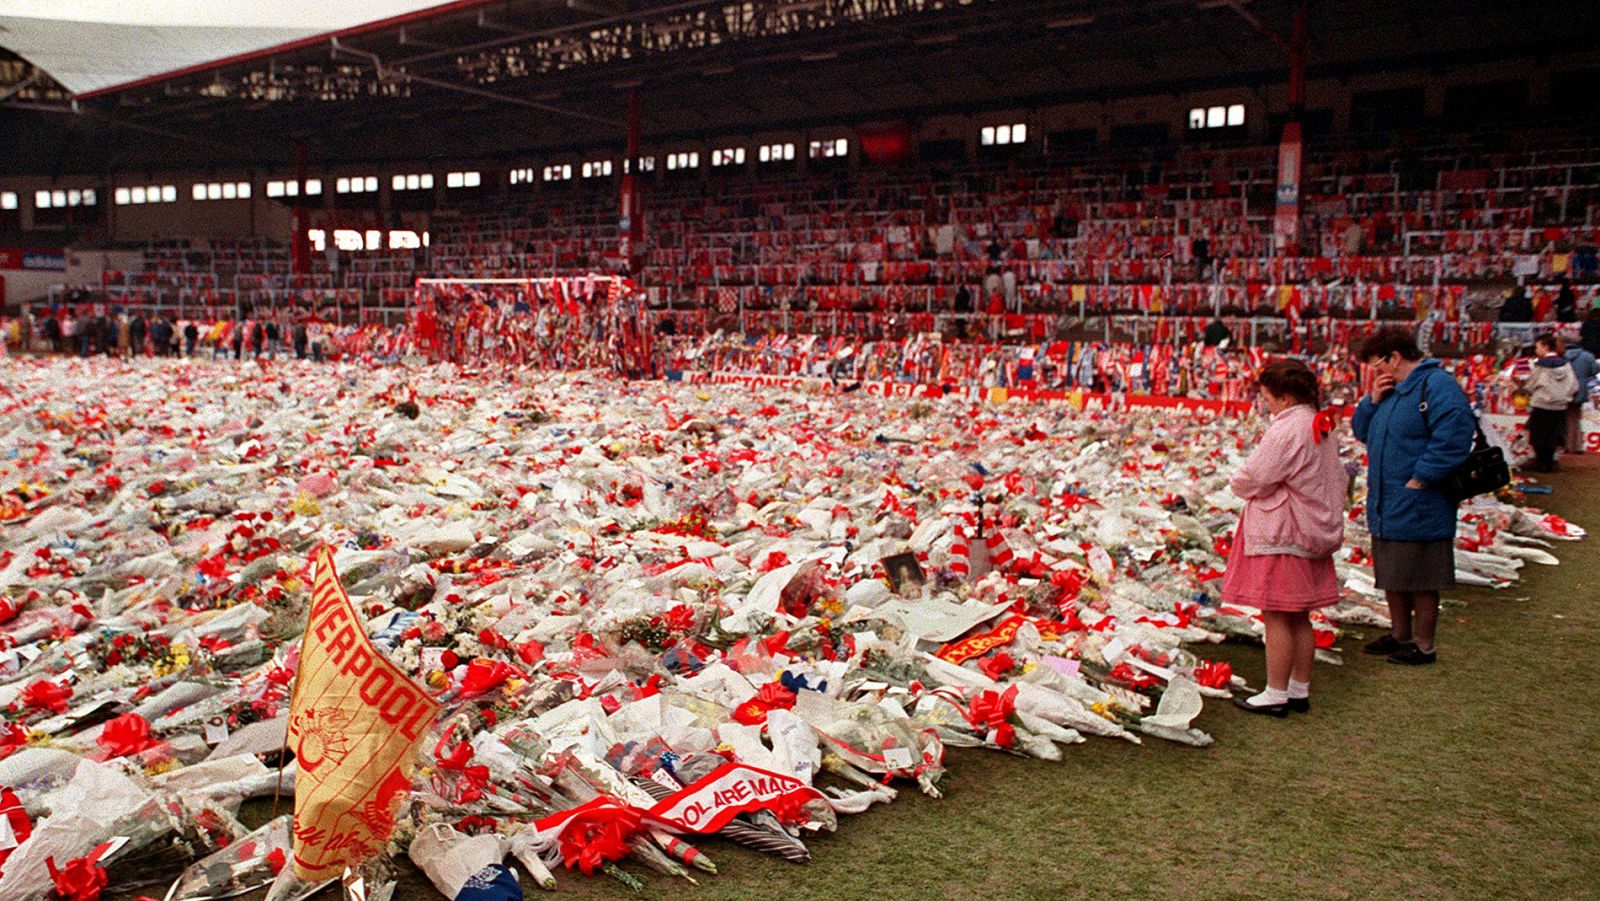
pixel 1391 339
pixel 1291 378
pixel 1547 340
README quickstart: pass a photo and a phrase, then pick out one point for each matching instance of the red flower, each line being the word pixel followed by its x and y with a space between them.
pixel 214 567
pixel 275 860
pixel 680 618
pixel 530 652
pixel 449 660
pixel 127 734
pixel 47 695
pixel 492 639
pixel 157 488
pixel 80 880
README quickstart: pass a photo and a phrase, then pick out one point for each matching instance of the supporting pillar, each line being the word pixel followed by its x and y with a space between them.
pixel 630 224
pixel 1286 221
pixel 300 241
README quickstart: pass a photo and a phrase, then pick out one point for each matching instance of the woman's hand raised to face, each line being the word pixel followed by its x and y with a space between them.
pixel 1382 384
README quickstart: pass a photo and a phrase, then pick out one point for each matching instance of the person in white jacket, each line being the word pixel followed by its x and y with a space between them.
pixel 1551 386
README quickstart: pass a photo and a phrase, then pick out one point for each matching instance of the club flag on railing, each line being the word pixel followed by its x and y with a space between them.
pixel 354 724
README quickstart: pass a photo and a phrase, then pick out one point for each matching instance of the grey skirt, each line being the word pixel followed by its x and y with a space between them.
pixel 1414 565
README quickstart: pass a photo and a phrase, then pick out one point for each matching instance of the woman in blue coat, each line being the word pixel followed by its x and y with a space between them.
pixel 1418 427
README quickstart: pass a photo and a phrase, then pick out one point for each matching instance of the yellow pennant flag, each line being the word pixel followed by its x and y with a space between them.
pixel 354 724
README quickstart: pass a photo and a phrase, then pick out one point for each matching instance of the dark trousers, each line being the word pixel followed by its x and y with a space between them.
pixel 1546 431
pixel 1574 442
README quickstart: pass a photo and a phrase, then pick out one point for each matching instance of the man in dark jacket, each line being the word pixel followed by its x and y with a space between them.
pixel 272 338
pixel 1517 308
pixel 300 340
pixel 1217 333
pixel 161 336
pixel 136 330
pixel 191 337
pixel 1589 332
pixel 1585 368
pixel 1566 303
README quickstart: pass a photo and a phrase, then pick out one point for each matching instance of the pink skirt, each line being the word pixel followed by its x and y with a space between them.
pixel 1278 582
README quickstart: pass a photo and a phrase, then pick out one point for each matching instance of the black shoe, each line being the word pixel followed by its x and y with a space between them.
pixel 1277 710
pixel 1385 646
pixel 1300 705
pixel 1413 656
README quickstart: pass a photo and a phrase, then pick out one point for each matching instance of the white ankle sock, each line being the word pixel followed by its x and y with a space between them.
pixel 1299 689
pixel 1268 697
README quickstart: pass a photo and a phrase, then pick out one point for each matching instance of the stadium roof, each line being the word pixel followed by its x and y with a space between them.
pixel 482 79
pixel 89 46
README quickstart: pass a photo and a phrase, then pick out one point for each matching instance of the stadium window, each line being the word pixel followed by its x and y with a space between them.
pixel 313 186
pixel 463 179
pixel 561 172
pixel 224 190
pixel 58 199
pixel 146 194
pixel 8 200
pixel 728 156
pixel 683 160
pixel 597 169
pixel 404 240
pixel 1000 135
pixel 414 181
pixel 776 153
pixel 55 199
pixel 646 164
pixel 1231 116
pixel 521 176
pixel 318 239
pixel 354 185
pixel 348 239
pixel 374 239
pixel 821 150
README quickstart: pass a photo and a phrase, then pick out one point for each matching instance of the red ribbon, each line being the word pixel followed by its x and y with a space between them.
pixel 990 710
pixel 1213 674
pixel 82 879
pixel 1322 424
pixel 470 779
pixel 598 833
pixel 47 695
pixel 125 735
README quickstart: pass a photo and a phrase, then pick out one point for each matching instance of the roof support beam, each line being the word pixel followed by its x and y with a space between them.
pixel 386 73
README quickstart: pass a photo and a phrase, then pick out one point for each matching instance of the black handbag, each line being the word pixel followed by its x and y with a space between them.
pixel 1484 471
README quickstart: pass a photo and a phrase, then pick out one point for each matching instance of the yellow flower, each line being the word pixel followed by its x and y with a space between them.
pixel 513 685
pixel 305 505
pixel 437 679
pixel 165 765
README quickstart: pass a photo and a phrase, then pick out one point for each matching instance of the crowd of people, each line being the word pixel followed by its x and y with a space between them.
pixel 85 331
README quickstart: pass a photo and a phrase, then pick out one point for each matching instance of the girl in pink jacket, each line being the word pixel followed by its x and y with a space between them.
pixel 1282 556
